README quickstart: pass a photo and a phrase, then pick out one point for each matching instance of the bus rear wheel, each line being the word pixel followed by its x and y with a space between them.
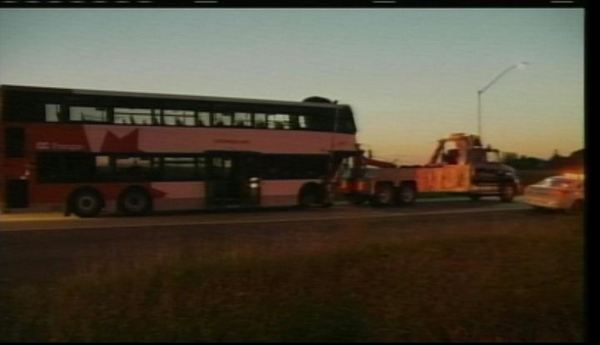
pixel 86 203
pixel 135 201
pixel 311 195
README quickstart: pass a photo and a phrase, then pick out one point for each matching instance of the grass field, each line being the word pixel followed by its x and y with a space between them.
pixel 520 279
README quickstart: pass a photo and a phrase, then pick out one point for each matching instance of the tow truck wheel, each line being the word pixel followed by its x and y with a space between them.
pixel 384 195
pixel 475 197
pixel 407 194
pixel 359 200
pixel 507 192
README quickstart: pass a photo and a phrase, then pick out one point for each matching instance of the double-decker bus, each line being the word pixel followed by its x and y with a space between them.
pixel 86 151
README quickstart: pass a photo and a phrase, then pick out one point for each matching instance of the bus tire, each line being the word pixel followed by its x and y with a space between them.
pixel 407 194
pixel 134 201
pixel 507 192
pixel 310 195
pixel 384 196
pixel 85 202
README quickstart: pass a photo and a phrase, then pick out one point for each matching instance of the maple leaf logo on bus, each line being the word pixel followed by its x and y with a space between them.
pixel 127 143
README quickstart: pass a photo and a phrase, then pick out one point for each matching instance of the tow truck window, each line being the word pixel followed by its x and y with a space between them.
pixel 492 157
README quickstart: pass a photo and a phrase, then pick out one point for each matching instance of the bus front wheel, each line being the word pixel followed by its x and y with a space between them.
pixel 310 195
pixel 86 203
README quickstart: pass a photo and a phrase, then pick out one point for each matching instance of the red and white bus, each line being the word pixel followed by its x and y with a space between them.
pixel 85 151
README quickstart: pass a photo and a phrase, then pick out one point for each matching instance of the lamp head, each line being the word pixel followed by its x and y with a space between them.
pixel 521 65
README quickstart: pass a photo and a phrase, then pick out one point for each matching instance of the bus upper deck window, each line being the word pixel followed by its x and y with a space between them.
pixel 88 114
pixel 203 119
pixel 54 113
pixel 279 121
pixel 14 144
pixel 242 119
pixel 222 119
pixel 260 120
pixel 302 121
pixel 179 117
pixel 133 116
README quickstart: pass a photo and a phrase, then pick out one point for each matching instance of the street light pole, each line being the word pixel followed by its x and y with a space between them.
pixel 479 92
pixel 519 65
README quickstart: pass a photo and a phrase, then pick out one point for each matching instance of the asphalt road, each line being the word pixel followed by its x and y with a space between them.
pixel 43 248
pixel 57 221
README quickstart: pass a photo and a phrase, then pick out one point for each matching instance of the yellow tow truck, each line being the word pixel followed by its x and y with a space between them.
pixel 460 164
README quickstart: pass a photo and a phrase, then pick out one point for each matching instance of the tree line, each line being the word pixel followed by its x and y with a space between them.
pixel 575 160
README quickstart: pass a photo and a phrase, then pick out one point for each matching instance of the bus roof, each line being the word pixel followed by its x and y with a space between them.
pixel 164 96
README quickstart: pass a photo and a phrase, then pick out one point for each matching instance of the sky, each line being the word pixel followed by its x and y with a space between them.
pixel 410 75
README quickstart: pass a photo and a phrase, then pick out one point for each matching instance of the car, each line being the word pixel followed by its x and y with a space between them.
pixel 564 192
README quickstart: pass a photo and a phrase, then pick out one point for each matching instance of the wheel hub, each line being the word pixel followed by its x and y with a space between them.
pixel 86 203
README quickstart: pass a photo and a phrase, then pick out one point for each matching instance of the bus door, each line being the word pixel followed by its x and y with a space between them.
pixel 232 179
pixel 17 194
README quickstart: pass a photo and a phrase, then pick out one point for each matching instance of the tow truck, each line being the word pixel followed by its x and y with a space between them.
pixel 460 164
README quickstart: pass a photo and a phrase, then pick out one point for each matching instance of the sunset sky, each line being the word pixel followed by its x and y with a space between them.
pixel 411 75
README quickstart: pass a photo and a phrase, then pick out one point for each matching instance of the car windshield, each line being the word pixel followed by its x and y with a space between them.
pixel 559 182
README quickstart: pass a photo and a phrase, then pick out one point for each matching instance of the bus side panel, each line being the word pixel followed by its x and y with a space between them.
pixel 62 137
pixel 281 192
pixel 165 195
pixel 53 196
pixel 119 138
pixel 179 195
pixel 152 139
